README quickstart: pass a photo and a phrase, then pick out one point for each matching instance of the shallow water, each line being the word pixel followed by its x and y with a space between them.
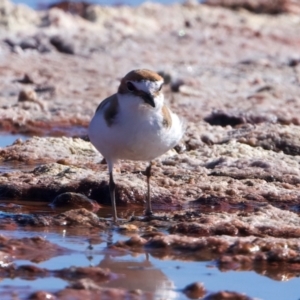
pixel 7 139
pixel 166 278
pixel 145 271
pixel 36 4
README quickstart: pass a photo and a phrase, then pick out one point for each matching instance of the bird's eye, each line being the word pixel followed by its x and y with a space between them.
pixel 130 86
pixel 159 89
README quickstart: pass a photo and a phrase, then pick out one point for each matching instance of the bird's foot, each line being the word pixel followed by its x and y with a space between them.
pixel 149 213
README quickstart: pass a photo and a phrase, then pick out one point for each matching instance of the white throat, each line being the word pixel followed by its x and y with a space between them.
pixel 131 102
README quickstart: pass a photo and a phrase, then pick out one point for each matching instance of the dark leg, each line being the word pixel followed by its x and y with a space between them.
pixel 148 174
pixel 112 188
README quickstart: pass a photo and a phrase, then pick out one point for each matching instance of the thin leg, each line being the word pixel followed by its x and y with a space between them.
pixel 112 189
pixel 148 174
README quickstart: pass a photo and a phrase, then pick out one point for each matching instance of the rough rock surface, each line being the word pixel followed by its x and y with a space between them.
pixel 227 170
pixel 74 200
pixel 252 70
pixel 234 78
pixel 259 6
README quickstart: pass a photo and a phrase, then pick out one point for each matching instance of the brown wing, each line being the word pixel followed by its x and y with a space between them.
pixel 110 107
pixel 167 119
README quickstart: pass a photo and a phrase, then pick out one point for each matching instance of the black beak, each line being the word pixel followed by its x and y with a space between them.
pixel 148 98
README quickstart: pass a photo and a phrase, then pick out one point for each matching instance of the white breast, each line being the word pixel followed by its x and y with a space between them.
pixel 137 133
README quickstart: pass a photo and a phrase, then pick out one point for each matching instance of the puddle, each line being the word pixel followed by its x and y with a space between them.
pixel 7 139
pixel 42 207
pixel 8 206
pixel 9 166
pixel 163 277
pixel 29 286
pixel 42 4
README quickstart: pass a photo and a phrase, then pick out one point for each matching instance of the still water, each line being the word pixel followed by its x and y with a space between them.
pixel 7 139
pixel 146 270
pixel 165 278
pixel 44 3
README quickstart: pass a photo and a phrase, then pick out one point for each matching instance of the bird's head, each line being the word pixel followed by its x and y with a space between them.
pixel 145 85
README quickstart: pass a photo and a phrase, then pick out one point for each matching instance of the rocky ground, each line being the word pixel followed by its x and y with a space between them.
pixel 232 74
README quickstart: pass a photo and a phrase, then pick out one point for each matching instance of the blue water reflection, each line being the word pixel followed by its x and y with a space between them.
pixel 44 3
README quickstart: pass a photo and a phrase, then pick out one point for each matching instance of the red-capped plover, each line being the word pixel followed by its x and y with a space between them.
pixel 135 124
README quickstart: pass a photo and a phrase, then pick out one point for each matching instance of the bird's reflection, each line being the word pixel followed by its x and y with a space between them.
pixel 134 272
pixel 138 274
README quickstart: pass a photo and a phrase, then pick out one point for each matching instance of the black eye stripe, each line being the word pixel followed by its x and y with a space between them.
pixel 130 86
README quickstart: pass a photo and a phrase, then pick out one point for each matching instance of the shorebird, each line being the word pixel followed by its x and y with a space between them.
pixel 134 124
